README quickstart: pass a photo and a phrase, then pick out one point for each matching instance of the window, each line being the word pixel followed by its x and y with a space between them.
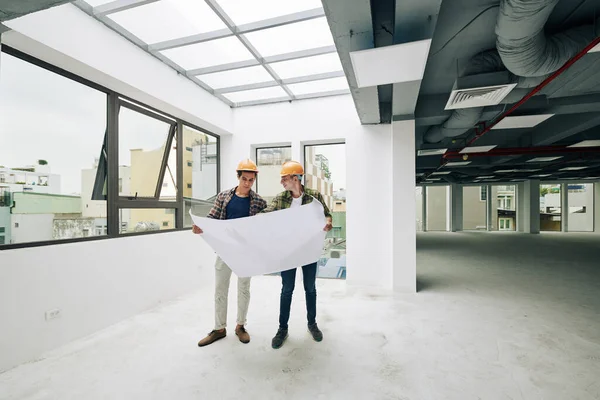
pixel 580 199
pixel 201 188
pixel 65 192
pixel 269 161
pixel 2 229
pixel 483 193
pixel 325 171
pixel 52 129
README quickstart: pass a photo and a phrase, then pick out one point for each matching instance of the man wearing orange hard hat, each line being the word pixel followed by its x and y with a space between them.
pixel 239 202
pixel 295 195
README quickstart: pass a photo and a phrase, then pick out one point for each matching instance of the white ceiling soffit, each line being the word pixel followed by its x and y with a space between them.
pixel 390 64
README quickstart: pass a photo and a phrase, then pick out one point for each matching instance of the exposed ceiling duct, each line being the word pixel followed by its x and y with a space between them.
pixel 524 49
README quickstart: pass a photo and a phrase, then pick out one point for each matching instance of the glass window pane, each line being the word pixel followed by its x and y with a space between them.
pixel 142 142
pixel 168 19
pixel 323 85
pixel 134 220
pixel 308 66
pixel 505 209
pixel 245 11
pixel 581 208
pixel 236 77
pixel 257 94
pixel 269 161
pixel 293 37
pixel 51 134
pixel 207 54
pixel 550 208
pixel 199 173
pixel 325 171
pixel 168 189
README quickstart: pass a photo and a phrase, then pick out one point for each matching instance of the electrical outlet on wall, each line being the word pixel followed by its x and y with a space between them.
pixel 52 314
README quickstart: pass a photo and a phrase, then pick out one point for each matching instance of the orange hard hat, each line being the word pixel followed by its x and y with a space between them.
pixel 247 165
pixel 291 168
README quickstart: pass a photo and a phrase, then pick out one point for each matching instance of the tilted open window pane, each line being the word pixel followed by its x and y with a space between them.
pixel 168 19
pixel 293 37
pixel 308 66
pixel 207 54
pixel 51 134
pixel 246 11
pixel 168 190
pixel 236 77
pixel 320 86
pixel 142 142
pixel 199 173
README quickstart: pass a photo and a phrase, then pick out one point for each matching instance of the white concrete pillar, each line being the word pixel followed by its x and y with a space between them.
pixel 404 236
pixel 531 206
pixel 489 203
pixel 520 207
pixel 424 208
pixel 456 206
pixel 564 207
pixel 597 207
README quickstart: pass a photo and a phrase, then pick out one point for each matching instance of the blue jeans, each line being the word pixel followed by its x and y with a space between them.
pixel 288 280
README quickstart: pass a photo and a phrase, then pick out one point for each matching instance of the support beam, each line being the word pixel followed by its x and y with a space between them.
pixel 531 205
pixel 404 251
pixel 308 78
pixel 521 207
pixel 489 207
pixel 597 207
pixel 456 207
pixel 352 30
pixel 564 207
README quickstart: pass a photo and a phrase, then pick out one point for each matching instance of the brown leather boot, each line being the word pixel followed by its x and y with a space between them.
pixel 242 334
pixel 213 337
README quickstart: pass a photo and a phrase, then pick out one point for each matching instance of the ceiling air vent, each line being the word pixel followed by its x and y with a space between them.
pixel 480 90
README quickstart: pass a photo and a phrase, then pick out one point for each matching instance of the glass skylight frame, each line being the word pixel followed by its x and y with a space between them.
pixel 175 51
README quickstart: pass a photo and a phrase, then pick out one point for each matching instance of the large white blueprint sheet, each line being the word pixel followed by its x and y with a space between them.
pixel 267 243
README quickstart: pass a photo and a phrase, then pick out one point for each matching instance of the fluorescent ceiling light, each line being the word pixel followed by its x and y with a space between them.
pixel 485 177
pixel 442 173
pixel 477 149
pixel 572 169
pixel 522 121
pixel 390 64
pixel 256 94
pixel 544 159
pixel 458 164
pixel 595 49
pixel 586 143
pixel 540 176
pixel 505 171
pixel 432 152
pixel 593 177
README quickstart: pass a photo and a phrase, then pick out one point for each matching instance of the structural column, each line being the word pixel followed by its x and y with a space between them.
pixel 456 208
pixel 424 208
pixel 597 207
pixel 564 207
pixel 530 201
pixel 489 203
pixel 520 207
pixel 404 236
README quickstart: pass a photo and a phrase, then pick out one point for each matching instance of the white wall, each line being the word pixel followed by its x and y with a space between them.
pixel 32 227
pixel 67 37
pixel 368 155
pixel 94 284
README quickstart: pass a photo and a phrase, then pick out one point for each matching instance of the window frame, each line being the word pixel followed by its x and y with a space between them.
pixel 108 166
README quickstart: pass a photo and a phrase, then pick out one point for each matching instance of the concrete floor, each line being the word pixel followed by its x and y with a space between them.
pixel 498 316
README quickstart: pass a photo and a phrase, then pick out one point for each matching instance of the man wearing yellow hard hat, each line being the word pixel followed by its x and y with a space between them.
pixel 239 202
pixel 295 195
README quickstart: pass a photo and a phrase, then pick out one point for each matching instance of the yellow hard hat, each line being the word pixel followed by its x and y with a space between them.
pixel 247 165
pixel 291 168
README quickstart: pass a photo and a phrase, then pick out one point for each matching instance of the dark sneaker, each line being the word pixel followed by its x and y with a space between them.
pixel 315 332
pixel 213 337
pixel 242 334
pixel 279 338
